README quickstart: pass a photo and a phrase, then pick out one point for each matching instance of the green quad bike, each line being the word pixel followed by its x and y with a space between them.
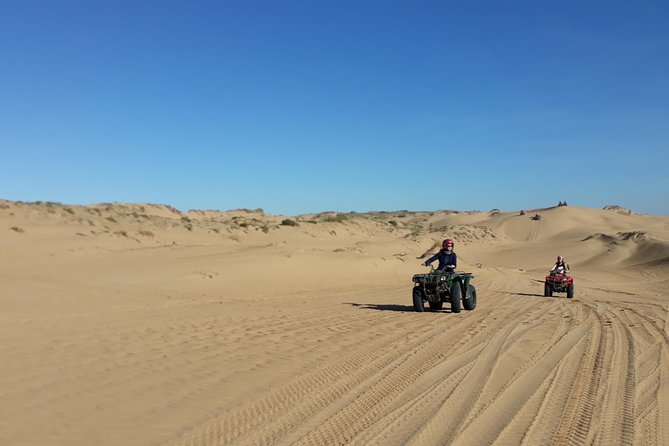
pixel 437 287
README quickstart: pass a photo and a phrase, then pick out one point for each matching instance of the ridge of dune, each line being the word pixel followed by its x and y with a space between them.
pixel 131 323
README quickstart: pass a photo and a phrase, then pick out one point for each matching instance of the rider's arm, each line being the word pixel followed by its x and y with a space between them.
pixel 431 259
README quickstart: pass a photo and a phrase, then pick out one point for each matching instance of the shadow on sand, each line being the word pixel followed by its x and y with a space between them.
pixel 393 307
pixel 381 307
pixel 522 294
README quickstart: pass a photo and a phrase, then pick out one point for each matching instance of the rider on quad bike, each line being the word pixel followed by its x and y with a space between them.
pixel 444 284
pixel 448 261
pixel 560 266
pixel 558 279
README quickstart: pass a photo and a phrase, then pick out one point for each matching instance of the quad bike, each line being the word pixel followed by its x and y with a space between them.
pixel 559 283
pixel 437 287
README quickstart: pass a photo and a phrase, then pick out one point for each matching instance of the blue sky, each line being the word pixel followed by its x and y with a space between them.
pixel 308 106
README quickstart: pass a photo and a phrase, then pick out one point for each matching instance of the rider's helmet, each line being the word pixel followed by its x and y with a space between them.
pixel 447 242
pixel 560 259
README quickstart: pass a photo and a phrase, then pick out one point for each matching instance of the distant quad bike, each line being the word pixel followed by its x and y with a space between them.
pixel 437 287
pixel 559 283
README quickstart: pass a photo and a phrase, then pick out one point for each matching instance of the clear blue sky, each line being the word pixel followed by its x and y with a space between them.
pixel 307 106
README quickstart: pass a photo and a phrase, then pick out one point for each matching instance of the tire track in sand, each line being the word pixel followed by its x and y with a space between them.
pixel 501 411
pixel 616 424
pixel 600 408
pixel 420 409
pixel 575 423
pixel 320 387
pixel 419 406
pixel 443 425
pixel 344 425
pixel 651 376
pixel 358 411
pixel 520 423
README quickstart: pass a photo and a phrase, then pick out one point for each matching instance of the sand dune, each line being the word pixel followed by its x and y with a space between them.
pixel 140 324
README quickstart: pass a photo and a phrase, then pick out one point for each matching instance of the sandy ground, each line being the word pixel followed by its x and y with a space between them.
pixel 140 325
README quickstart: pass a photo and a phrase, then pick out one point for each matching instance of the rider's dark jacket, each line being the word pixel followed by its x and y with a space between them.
pixel 445 258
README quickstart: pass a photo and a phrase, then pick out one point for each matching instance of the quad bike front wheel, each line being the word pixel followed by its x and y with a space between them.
pixel 570 291
pixel 469 302
pixel 418 304
pixel 548 291
pixel 456 296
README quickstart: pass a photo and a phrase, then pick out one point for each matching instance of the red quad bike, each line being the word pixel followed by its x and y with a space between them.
pixel 559 283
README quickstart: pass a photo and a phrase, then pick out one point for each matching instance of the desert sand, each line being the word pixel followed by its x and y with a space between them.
pixel 138 324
